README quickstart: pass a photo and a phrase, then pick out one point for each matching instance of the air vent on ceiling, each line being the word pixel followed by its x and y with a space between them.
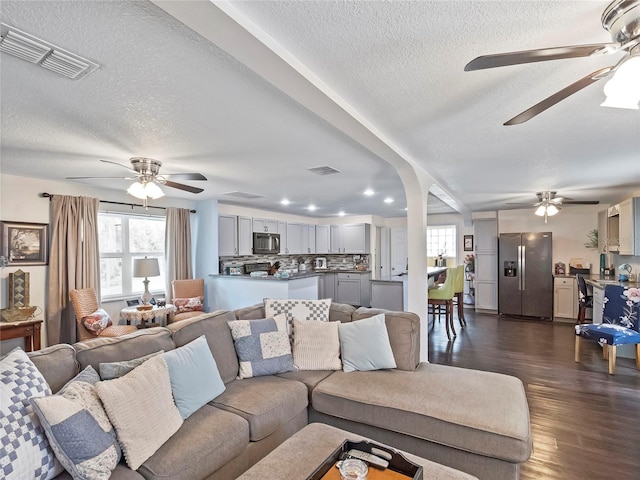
pixel 324 170
pixel 32 49
pixel 243 195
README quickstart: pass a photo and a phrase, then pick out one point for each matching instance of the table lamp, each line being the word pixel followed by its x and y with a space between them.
pixel 146 267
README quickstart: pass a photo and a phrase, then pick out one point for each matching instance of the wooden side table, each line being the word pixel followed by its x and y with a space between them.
pixel 29 330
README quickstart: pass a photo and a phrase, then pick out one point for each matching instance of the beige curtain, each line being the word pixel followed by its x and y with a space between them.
pixel 74 261
pixel 177 246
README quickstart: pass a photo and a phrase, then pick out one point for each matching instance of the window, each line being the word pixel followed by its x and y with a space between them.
pixel 441 240
pixel 123 238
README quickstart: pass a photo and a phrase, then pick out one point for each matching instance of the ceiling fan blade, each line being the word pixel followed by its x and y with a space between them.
pixel 120 165
pixel 580 202
pixel 182 186
pixel 185 176
pixel 540 55
pixel 559 96
pixel 88 178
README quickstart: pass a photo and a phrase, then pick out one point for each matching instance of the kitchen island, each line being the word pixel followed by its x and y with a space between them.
pixel 230 292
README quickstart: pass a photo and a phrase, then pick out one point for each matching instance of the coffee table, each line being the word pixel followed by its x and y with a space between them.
pixel 300 455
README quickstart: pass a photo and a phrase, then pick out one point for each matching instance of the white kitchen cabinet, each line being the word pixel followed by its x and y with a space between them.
pixel 245 236
pixel 629 227
pixel 294 239
pixel 309 239
pixel 328 285
pixel 565 298
pixel 350 238
pixel 354 289
pixel 282 231
pixel 227 235
pixel 323 239
pixel 486 265
pixel 265 225
pixel 598 300
pixel 603 235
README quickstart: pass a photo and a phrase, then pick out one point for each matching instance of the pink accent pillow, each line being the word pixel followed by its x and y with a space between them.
pixel 97 321
pixel 193 304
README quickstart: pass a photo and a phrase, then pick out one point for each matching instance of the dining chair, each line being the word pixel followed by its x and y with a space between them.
pixel 584 299
pixel 620 324
pixel 443 296
pixel 459 294
pixel 85 302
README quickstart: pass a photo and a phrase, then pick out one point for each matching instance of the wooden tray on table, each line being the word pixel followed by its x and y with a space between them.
pixel 399 467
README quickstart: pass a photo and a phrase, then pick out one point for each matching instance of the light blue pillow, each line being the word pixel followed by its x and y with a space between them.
pixel 364 345
pixel 195 379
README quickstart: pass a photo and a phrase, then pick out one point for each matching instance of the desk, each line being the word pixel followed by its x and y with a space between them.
pixel 29 330
pixel 141 316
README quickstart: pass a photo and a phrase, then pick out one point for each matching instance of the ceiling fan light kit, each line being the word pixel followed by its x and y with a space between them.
pixel 621 19
pixel 144 190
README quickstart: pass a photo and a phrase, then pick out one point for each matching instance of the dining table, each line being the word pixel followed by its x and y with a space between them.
pixel 433 272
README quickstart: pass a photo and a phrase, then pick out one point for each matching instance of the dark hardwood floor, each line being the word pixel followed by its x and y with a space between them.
pixel 585 422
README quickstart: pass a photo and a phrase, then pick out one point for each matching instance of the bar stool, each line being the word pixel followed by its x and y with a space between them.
pixel 459 294
pixel 443 296
pixel 584 300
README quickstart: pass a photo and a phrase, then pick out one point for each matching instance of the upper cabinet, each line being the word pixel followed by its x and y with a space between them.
pixel 245 236
pixel 308 239
pixel 323 239
pixel 603 236
pixel 234 236
pixel 265 225
pixel 629 227
pixel 350 238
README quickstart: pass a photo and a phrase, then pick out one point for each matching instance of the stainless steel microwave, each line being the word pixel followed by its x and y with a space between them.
pixel 266 243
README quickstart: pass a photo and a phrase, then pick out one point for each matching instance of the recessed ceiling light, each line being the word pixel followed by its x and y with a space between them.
pixel 311 208
pixel 284 201
pixel 406 209
pixel 341 213
pixel 388 200
pixel 368 192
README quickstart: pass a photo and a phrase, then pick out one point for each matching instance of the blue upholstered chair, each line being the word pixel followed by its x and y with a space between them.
pixel 584 299
pixel 620 324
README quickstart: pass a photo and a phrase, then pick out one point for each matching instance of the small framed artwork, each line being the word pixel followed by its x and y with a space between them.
pixel 25 243
pixel 468 243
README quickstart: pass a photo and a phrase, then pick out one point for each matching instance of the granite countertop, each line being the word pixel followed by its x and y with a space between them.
pixel 388 279
pixel 292 276
pixel 598 281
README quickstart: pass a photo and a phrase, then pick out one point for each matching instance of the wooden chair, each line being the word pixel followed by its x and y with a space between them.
pixel 187 289
pixel 443 296
pixel 85 302
pixel 459 294
pixel 620 324
pixel 584 300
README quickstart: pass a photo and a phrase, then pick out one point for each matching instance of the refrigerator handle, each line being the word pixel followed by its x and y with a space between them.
pixel 519 266
pixel 524 267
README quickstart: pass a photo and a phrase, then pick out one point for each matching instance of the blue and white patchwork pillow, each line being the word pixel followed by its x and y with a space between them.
pixel 24 449
pixel 262 346
pixel 79 429
pixel 298 309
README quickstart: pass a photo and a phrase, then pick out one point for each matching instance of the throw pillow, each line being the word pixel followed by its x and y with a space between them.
pixel 193 304
pixel 25 451
pixel 262 347
pixel 365 345
pixel 140 407
pixel 194 375
pixel 78 428
pixel 316 345
pixel 111 370
pixel 97 321
pixel 298 309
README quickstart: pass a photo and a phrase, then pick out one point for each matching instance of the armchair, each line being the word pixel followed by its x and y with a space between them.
pixel 187 289
pixel 85 302
pixel 620 324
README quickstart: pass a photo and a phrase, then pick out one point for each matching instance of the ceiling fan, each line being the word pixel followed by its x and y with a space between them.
pixel 549 204
pixel 621 19
pixel 146 173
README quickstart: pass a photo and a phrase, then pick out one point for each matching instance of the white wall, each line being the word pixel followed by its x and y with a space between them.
pixel 20 201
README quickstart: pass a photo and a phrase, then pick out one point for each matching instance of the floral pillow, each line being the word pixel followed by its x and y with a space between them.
pixel 193 304
pixel 97 321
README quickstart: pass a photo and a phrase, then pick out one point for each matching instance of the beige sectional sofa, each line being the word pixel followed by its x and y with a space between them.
pixel 473 421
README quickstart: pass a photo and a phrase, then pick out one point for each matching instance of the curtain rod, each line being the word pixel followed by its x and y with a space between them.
pixel 50 196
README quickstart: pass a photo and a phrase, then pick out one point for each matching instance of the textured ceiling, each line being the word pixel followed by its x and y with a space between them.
pixel 165 92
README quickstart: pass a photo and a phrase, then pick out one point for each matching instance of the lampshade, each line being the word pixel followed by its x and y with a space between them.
pixel 145 190
pixel 146 267
pixel 623 90
pixel 547 210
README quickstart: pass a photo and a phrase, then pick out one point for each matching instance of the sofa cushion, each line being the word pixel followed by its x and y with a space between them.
pixel 24 449
pixel 140 407
pixel 78 428
pixel 310 378
pixel 206 441
pixel 122 472
pixel 262 346
pixel 254 312
pixel 111 370
pixel 364 345
pixel 97 321
pixel 266 403
pixel 301 309
pixel 192 304
pixel 481 412
pixel 214 327
pixel 188 365
pixel 341 312
pixel 56 363
pixel 127 347
pixel 316 345
pixel 404 335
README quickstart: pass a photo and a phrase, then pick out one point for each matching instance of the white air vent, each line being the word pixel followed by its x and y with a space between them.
pixel 32 49
pixel 243 195
pixel 324 170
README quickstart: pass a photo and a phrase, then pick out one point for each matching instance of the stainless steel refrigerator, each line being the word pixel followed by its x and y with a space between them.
pixel 525 275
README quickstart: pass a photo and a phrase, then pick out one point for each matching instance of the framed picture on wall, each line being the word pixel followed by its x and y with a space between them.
pixel 468 243
pixel 25 243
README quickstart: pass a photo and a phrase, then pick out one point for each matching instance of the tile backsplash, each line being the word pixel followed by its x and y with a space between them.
pixel 290 262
